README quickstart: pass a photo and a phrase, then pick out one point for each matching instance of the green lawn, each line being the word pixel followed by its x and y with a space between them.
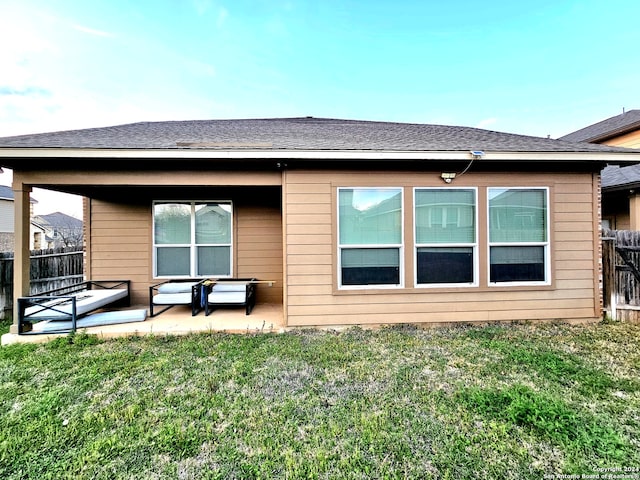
pixel 513 401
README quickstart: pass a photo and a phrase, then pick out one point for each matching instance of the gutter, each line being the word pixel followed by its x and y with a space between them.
pixel 13 154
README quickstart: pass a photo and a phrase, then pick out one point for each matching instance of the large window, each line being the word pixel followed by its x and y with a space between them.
pixel 518 235
pixel 445 236
pixel 192 239
pixel 370 236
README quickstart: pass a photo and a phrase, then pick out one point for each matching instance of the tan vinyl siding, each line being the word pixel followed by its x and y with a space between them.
pixel 313 297
pixel 629 140
pixel 119 243
pixel 259 249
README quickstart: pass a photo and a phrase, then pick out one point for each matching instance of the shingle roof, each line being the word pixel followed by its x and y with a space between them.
pixel 306 133
pixel 6 193
pixel 614 177
pixel 61 220
pixel 614 126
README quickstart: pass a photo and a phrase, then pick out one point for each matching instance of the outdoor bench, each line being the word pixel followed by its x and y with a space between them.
pixel 61 308
pixel 175 292
pixel 230 292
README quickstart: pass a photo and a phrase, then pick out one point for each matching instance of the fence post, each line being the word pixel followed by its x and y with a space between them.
pixel 609 276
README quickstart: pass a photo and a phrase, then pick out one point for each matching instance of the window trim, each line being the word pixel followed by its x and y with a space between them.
pixel 474 246
pixel 546 244
pixel 400 247
pixel 193 246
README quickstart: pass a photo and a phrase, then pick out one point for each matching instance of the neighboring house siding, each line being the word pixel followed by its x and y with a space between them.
pixel 630 140
pixel 6 216
pixel 313 298
pixel 6 226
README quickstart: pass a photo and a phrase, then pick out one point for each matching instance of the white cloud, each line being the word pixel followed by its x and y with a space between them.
pixel 91 31
pixel 202 6
pixel 223 14
pixel 487 122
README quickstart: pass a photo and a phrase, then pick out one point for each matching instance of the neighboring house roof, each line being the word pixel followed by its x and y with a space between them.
pixel 618 178
pixel 59 220
pixel 290 134
pixel 6 193
pixel 611 127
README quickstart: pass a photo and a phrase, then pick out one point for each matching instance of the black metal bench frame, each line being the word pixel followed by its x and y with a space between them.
pixel 249 300
pixel 53 300
pixel 196 297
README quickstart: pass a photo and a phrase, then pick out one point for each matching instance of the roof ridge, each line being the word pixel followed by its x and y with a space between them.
pixel 295 134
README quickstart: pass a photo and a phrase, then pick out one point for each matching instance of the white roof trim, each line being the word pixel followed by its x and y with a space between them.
pixel 211 154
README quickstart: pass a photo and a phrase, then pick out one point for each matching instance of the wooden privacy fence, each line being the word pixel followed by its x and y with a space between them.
pixel 621 274
pixel 51 268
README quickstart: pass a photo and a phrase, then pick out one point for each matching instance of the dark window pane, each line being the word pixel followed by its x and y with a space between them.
pixel 371 266
pixel 517 264
pixel 445 265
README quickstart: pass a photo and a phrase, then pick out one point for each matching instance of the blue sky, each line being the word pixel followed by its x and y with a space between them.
pixel 531 67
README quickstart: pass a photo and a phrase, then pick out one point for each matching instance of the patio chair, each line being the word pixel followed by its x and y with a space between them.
pixel 230 292
pixel 175 292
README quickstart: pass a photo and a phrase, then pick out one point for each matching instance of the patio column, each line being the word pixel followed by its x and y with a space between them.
pixel 634 211
pixel 21 261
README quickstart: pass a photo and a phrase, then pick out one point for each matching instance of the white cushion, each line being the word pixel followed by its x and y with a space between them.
pixel 176 287
pixel 86 301
pixel 230 287
pixel 172 299
pixel 93 320
pixel 227 297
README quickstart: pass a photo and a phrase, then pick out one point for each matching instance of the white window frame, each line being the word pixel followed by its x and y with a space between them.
pixel 546 245
pixel 399 246
pixel 473 246
pixel 193 246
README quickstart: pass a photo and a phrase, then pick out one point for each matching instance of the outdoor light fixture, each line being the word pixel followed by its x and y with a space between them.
pixel 447 176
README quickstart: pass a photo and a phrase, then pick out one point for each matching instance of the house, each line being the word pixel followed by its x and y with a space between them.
pixel 620 193
pixel 61 230
pixel 7 222
pixel 6 219
pixel 346 222
pixel 619 131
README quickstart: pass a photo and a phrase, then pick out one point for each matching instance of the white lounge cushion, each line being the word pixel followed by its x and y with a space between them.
pixel 176 287
pixel 172 299
pixel 93 320
pixel 230 287
pixel 86 301
pixel 227 297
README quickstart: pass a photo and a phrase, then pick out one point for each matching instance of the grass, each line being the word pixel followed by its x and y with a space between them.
pixel 514 401
pixel 5 323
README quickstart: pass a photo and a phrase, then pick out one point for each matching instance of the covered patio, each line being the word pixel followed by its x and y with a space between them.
pixel 265 318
